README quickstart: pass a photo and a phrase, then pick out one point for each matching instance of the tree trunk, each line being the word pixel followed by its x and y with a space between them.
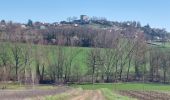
pixel 164 76
pixel 93 74
pixel 121 70
pixel 4 74
pixel 127 78
pixel 37 74
pixel 25 74
pixel 16 71
pixel 116 71
pixel 107 79
pixel 42 74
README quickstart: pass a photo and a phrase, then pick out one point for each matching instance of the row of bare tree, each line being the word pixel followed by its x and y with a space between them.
pixel 119 58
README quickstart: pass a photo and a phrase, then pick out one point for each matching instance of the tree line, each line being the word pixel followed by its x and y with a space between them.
pixel 114 57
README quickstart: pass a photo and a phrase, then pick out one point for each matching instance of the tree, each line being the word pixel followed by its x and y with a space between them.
pixel 71 19
pixel 93 61
pixel 154 64
pixel 61 57
pixel 164 63
pixel 40 63
pixel 3 22
pixel 16 53
pixel 131 46
pixel 138 25
pixel 109 60
pixel 56 61
pixel 71 56
pixel 5 60
pixel 30 23
pixel 27 60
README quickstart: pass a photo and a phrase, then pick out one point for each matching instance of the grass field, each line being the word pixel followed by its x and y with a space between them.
pixel 110 86
pixel 127 86
pixel 17 86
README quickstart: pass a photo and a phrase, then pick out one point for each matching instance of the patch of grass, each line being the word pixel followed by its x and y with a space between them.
pixel 63 96
pixel 17 86
pixel 110 95
pixel 11 86
pixel 89 86
pixel 141 86
pixel 45 87
pixel 126 86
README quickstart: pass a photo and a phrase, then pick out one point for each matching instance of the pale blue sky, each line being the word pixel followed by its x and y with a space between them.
pixel 154 12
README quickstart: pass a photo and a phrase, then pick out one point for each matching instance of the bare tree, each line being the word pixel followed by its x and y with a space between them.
pixel 40 62
pixel 109 60
pixel 164 63
pixel 17 56
pixel 5 61
pixel 154 65
pixel 27 60
pixel 71 56
pixel 93 61
pixel 60 63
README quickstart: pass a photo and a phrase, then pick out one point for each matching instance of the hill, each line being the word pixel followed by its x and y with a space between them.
pixel 81 32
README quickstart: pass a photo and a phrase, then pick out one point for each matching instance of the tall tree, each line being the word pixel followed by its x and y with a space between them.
pixel 93 61
pixel 71 56
pixel 17 56
pixel 27 61
pixel 5 60
pixel 30 23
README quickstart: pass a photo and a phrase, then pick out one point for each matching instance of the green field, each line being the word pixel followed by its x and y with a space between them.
pixel 127 86
pixel 47 55
pixel 110 86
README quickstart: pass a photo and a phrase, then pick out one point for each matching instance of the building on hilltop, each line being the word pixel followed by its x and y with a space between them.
pixel 84 18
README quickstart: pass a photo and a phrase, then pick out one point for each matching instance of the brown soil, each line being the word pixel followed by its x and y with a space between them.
pixel 24 94
pixel 75 94
pixel 146 95
pixel 89 95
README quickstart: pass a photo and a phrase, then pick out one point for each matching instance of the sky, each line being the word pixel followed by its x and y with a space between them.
pixel 153 12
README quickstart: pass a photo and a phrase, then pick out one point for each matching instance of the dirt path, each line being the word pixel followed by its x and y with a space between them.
pixel 98 95
pixel 24 94
pixel 82 96
pixel 89 95
pixel 146 95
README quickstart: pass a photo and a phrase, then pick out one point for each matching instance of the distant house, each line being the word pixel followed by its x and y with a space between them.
pixel 2 26
pixel 84 18
pixel 53 41
pixel 75 25
pixel 64 22
pixel 23 26
pixel 55 24
pixel 157 38
pixel 46 24
pixel 42 27
pixel 38 24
